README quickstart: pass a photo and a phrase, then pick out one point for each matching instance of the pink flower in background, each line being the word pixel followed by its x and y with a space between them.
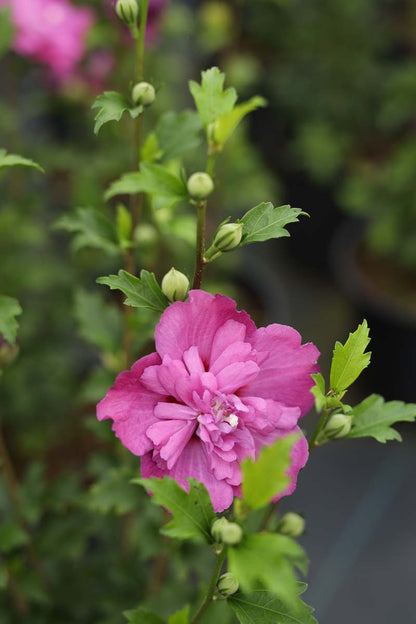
pixel 155 14
pixel 216 390
pixel 52 32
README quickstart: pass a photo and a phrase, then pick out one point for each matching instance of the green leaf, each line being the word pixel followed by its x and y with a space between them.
pixel 227 122
pixel 9 309
pixel 349 360
pixel 265 221
pixel 6 30
pixel 91 229
pixel 373 417
pixel 180 617
pixel 211 99
pixel 267 478
pixel 192 512
pixel 123 226
pixel 142 616
pixel 318 391
pixel 111 106
pixel 268 561
pixel 12 536
pixel 114 493
pixel 151 151
pixel 263 607
pixel 178 133
pixel 141 292
pixel 99 322
pixel 13 160
pixel 153 179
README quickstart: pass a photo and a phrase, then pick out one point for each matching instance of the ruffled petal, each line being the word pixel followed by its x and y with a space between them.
pixel 130 405
pixel 285 369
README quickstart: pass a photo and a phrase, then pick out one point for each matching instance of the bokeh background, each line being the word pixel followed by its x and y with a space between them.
pixel 337 140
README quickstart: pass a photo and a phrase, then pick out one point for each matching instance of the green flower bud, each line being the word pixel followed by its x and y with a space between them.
pixel 338 426
pixel 128 11
pixel 228 236
pixel 227 532
pixel 227 584
pixel 143 93
pixel 291 524
pixel 200 185
pixel 175 285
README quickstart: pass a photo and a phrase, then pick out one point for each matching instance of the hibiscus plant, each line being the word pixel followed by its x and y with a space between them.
pixel 215 409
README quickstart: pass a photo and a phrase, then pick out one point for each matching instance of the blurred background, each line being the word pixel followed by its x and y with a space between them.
pixel 337 139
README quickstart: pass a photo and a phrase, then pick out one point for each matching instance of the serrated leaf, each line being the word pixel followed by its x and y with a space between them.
pixel 349 360
pixel 13 160
pixel 180 617
pixel 111 106
pixel 12 536
pixel 373 417
pixel 268 561
pixel 192 511
pixel 178 133
pixel 114 493
pixel 262 607
pixel 99 322
pixel 228 122
pixel 9 309
pixel 153 179
pixel 211 99
pixel 265 221
pixel 142 616
pixel 91 229
pixel 318 391
pixel 266 478
pixel 141 292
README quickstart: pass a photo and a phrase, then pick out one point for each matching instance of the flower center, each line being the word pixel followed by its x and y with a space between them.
pixel 224 411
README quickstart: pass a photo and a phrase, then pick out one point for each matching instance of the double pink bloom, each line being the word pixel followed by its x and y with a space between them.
pixel 216 390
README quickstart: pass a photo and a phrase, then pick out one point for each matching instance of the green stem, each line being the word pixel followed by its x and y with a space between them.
pixel 200 244
pixel 271 510
pixel 211 587
pixel 318 429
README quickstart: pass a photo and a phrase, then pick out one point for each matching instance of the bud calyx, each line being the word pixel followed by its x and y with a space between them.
pixel 338 426
pixel 143 93
pixel 227 585
pixel 127 11
pixel 175 285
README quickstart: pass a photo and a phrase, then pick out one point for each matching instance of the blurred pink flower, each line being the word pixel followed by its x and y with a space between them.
pixel 216 390
pixel 52 32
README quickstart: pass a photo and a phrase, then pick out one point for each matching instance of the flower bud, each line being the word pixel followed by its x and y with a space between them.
pixel 175 285
pixel 338 426
pixel 127 11
pixel 227 532
pixel 200 185
pixel 143 93
pixel 291 524
pixel 228 236
pixel 227 584
pixel 8 352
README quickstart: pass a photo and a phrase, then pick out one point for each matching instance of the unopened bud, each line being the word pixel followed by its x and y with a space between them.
pixel 291 524
pixel 227 532
pixel 228 236
pixel 128 11
pixel 200 185
pixel 8 352
pixel 227 584
pixel 143 93
pixel 175 285
pixel 338 426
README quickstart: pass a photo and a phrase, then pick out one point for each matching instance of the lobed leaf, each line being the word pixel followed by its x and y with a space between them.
pixel 192 511
pixel 349 360
pixel 373 417
pixel 266 478
pixel 141 292
pixel 180 617
pixel 227 122
pixel 211 99
pixel 265 221
pixel 91 229
pixel 13 160
pixel 318 391
pixel 142 616
pixel 111 106
pixel 9 309
pixel 263 607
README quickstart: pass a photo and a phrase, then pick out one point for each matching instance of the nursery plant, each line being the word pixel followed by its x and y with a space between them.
pixel 214 406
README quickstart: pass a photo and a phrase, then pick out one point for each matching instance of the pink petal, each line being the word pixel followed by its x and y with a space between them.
pixel 237 375
pixel 130 405
pixel 174 411
pixel 299 456
pixel 285 372
pixel 172 436
pixel 225 336
pixel 195 323
pixel 236 352
pixel 193 361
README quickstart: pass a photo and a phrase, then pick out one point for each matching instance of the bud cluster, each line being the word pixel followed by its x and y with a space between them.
pixel 226 532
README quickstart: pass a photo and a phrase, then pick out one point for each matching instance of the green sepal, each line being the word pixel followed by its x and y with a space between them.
pixel 265 221
pixel 192 511
pixel 111 106
pixel 9 309
pixel 373 417
pixel 141 292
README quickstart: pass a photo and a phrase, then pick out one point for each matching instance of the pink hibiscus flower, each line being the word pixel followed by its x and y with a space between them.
pixel 52 32
pixel 216 390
